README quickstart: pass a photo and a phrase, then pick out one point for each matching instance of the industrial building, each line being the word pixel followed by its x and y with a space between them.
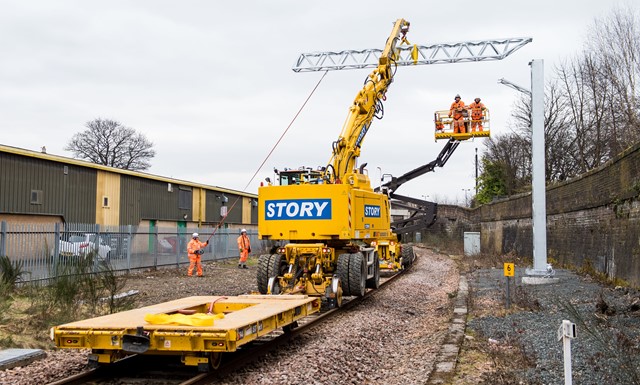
pixel 40 188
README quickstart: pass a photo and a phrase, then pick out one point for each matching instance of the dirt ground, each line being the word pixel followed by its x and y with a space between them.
pixel 220 278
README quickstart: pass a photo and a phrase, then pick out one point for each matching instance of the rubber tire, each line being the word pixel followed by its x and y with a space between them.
pixel 357 274
pixel 407 256
pixel 342 271
pixel 269 265
pixel 374 282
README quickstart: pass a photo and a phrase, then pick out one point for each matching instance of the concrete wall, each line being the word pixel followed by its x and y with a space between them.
pixel 592 220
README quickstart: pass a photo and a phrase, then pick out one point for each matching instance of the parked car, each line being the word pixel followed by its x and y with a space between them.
pixel 83 245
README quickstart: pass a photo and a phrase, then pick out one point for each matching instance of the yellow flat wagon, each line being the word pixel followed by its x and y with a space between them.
pixel 238 320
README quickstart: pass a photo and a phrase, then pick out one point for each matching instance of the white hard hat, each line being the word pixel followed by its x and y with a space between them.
pixel 194 235
pixel 243 231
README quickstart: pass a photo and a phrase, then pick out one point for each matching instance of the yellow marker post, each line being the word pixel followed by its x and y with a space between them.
pixel 509 270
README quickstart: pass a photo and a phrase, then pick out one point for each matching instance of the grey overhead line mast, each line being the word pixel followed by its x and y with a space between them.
pixel 461 52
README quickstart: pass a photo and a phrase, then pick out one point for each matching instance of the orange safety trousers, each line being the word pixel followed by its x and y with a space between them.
pixel 458 126
pixel 243 256
pixel 194 261
pixel 476 119
pixel 476 122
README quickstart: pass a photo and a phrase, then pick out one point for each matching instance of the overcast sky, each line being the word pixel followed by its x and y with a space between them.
pixel 210 83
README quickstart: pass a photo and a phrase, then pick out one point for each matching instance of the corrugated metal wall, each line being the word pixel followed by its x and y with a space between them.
pixel 129 200
pixel 53 188
pixel 81 195
pixel 213 204
pixel 148 199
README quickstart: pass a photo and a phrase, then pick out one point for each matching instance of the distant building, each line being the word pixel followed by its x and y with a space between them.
pixel 36 187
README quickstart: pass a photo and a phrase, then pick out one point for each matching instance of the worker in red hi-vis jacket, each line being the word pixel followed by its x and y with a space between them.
pixel 244 246
pixel 195 250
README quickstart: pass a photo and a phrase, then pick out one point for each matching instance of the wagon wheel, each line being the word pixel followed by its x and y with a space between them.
pixel 215 359
pixel 339 296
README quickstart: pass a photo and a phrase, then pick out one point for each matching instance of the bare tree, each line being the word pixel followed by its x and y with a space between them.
pixel 559 141
pixel 614 42
pixel 586 96
pixel 591 112
pixel 109 143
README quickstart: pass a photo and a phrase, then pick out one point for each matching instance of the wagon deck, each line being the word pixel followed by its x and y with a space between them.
pixel 246 318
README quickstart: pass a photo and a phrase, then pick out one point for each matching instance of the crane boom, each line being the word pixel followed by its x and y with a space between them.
pixel 363 109
pixel 460 52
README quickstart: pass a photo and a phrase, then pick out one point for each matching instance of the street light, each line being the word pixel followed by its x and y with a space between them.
pixel 466 190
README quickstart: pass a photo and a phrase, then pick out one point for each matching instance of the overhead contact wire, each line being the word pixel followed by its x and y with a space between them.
pixel 270 153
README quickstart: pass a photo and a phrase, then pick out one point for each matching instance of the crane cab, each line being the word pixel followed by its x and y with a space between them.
pixel 303 175
pixel 444 126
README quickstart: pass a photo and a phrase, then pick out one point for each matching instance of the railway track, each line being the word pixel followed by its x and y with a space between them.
pixel 143 369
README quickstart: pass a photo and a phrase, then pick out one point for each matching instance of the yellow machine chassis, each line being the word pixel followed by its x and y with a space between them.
pixel 246 318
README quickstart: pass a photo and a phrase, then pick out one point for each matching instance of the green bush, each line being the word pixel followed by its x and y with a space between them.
pixel 10 272
pixel 81 288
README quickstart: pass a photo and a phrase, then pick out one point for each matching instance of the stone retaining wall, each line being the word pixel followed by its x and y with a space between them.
pixel 592 220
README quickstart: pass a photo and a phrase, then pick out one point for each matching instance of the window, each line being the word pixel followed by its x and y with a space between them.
pixel 36 197
pixel 105 201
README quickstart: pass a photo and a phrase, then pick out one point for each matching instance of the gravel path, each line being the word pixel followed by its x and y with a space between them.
pixel 522 340
pixel 392 338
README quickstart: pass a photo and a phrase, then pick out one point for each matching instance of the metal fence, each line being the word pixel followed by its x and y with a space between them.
pixel 40 248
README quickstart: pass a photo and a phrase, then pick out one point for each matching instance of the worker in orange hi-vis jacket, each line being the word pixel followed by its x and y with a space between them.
pixel 195 250
pixel 458 110
pixel 477 109
pixel 244 246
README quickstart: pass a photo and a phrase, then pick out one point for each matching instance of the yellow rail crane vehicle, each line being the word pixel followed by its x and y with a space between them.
pixel 337 226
